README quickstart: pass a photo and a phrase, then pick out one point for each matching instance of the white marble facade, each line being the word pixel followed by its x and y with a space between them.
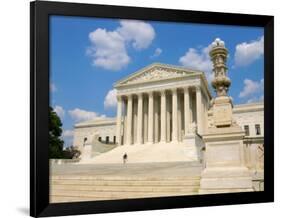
pixel 94 130
pixel 163 104
pixel 159 103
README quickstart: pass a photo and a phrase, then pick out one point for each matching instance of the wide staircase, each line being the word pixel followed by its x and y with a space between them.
pixel 156 182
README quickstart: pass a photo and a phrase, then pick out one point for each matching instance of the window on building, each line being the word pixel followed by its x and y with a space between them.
pixel 99 139
pixel 247 130
pixel 114 139
pixel 258 129
pixel 107 139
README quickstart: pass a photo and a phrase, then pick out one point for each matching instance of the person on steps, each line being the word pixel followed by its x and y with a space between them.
pixel 125 157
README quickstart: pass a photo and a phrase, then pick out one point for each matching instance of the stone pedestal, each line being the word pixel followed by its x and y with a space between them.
pixel 222 111
pixel 87 152
pixel 194 146
pixel 225 170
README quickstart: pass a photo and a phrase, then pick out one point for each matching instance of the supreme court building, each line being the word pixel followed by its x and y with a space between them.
pixel 159 103
pixel 165 104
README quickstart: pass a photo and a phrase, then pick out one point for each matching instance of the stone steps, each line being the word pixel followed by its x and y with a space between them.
pixel 147 153
pixel 191 181
pixel 90 188
pixel 119 184
pixel 122 178
pixel 125 188
pixel 72 197
pixel 63 198
pixel 117 194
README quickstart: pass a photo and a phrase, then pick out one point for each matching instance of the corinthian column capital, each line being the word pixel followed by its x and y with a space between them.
pixel 174 90
pixel 119 97
pixel 186 89
pixel 163 92
pixel 129 96
pixel 198 88
pixel 150 94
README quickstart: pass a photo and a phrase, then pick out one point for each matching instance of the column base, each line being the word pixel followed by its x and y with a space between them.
pixel 128 144
pixel 174 141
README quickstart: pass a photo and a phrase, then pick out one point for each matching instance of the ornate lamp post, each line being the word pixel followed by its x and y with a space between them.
pixel 218 56
pixel 224 155
pixel 221 83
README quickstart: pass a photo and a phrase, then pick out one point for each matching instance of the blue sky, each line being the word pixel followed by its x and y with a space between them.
pixel 88 55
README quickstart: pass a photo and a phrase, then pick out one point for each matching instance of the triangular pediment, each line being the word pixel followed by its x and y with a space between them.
pixel 156 72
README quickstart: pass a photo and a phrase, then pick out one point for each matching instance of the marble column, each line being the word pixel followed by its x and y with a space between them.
pixel 119 120
pixel 140 119
pixel 156 119
pixel 163 116
pixel 175 115
pixel 129 119
pixel 187 118
pixel 168 118
pixel 125 106
pixel 145 118
pixel 180 116
pixel 199 109
pixel 135 118
pixel 150 117
pixel 205 106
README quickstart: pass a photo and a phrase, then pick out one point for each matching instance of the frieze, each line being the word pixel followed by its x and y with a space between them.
pixel 157 73
pixel 158 87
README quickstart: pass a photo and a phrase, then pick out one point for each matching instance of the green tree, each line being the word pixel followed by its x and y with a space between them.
pixel 55 131
pixel 71 152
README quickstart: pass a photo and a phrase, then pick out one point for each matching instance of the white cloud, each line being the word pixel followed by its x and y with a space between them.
pixel 67 136
pixel 82 115
pixel 110 100
pixel 67 133
pixel 198 59
pixel 255 99
pixel 247 52
pixel 157 52
pixel 53 87
pixel 59 110
pixel 108 48
pixel 139 33
pixel 251 89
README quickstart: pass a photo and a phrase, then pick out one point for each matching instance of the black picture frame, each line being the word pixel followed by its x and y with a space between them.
pixel 39 95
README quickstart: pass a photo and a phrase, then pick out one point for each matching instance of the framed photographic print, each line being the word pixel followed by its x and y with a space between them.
pixel 143 109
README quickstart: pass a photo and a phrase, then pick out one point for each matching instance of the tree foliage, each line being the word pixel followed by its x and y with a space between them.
pixel 55 132
pixel 56 150
pixel 71 153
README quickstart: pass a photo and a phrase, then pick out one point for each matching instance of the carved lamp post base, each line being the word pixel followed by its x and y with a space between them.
pixel 224 157
pixel 225 165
